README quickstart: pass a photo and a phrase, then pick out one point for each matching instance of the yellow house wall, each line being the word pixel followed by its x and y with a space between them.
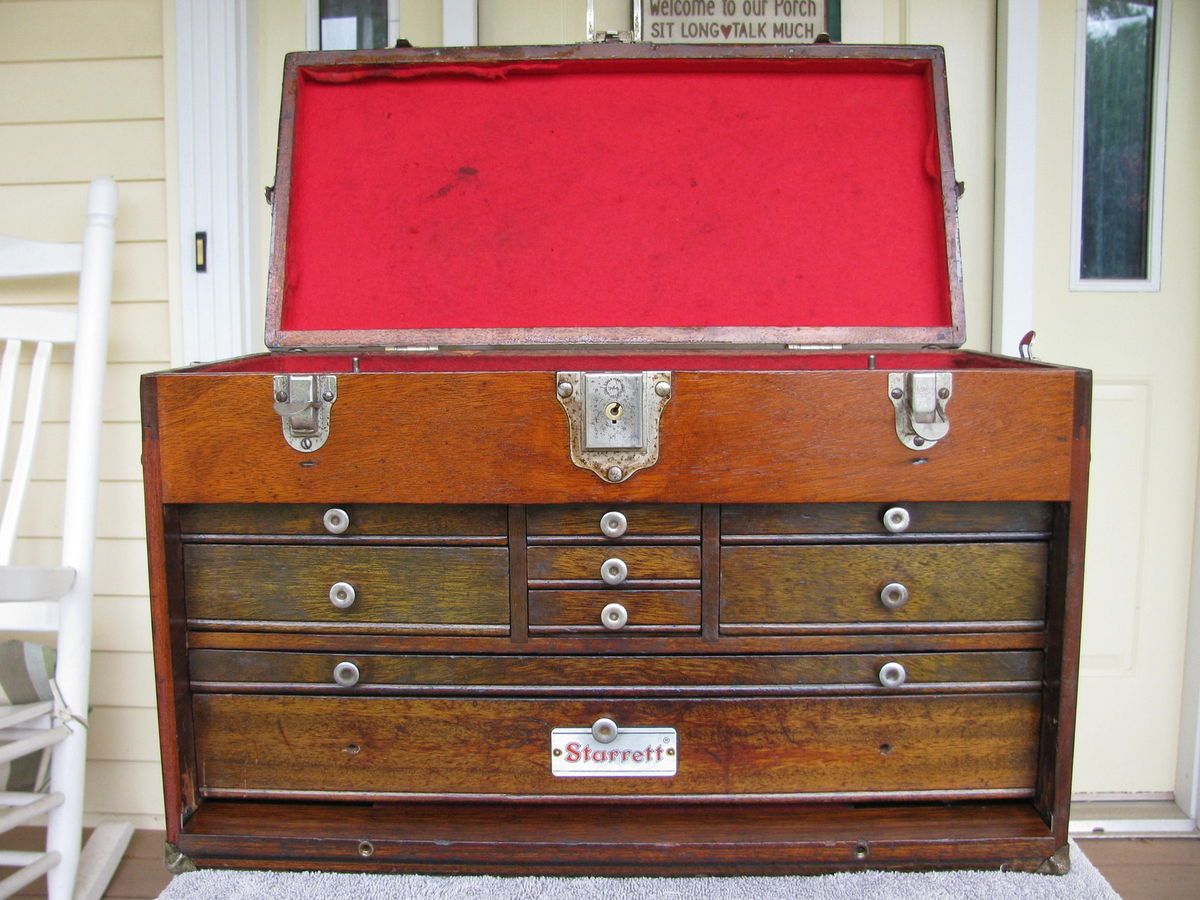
pixel 81 95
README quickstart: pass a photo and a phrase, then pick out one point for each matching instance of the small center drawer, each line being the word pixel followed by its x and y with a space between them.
pixel 639 520
pixel 620 564
pixel 614 611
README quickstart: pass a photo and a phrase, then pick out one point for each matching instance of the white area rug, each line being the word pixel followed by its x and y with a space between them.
pixel 1083 883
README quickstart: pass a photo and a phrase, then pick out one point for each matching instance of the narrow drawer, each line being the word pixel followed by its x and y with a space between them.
pixel 640 563
pixel 611 675
pixel 347 587
pixel 640 520
pixel 871 586
pixel 639 611
pixel 938 745
pixel 345 520
pixel 885 519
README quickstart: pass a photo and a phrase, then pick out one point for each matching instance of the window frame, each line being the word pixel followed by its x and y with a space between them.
pixel 1158 150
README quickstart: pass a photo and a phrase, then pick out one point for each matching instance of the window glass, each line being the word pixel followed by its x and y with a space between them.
pixel 353 24
pixel 1118 100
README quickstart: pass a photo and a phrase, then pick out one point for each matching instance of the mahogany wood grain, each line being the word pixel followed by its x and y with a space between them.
pixel 169 632
pixel 1064 623
pixel 915 638
pixel 645 608
pixel 867 518
pixel 642 674
pixel 374 746
pixel 645 519
pixel 838 584
pixel 710 583
pixel 438 585
pixel 374 519
pixel 616 839
pixel 723 440
pixel 518 591
pixel 565 563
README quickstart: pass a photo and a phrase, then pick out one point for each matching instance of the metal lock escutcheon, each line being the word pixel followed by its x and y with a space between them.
pixel 613 419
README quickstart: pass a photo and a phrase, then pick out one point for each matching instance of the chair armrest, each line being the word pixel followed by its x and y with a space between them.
pixel 23 584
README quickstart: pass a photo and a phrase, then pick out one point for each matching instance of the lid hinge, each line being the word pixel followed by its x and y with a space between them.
pixel 814 346
pixel 428 348
pixel 920 399
pixel 303 403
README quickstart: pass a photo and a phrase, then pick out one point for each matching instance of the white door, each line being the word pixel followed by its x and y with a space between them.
pixel 1142 344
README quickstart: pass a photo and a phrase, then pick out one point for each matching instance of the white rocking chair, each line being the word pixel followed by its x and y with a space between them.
pixel 57 599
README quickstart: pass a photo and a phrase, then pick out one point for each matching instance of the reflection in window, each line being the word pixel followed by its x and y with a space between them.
pixel 353 24
pixel 1118 100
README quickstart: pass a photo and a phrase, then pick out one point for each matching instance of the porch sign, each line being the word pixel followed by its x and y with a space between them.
pixel 734 21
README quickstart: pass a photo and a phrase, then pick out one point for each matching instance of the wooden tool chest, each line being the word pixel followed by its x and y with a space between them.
pixel 547 541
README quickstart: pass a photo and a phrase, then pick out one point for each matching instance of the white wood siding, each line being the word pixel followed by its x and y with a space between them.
pixel 82 95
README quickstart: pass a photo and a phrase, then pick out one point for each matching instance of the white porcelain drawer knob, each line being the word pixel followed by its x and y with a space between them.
pixel 892 675
pixel 613 524
pixel 342 595
pixel 345 674
pixel 605 730
pixel 896 520
pixel 336 520
pixel 614 571
pixel 893 595
pixel 614 616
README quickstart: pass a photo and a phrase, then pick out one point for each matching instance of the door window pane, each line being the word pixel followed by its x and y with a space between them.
pixel 1118 100
pixel 353 24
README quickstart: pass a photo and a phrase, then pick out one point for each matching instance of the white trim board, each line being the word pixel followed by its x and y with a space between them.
pixel 1016 173
pixel 1137 816
pixel 214 42
pixel 1158 148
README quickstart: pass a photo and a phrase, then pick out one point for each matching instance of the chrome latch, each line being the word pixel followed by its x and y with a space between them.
pixel 613 419
pixel 920 399
pixel 303 402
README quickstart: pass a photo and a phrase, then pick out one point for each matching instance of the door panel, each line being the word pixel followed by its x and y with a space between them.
pixel 1146 417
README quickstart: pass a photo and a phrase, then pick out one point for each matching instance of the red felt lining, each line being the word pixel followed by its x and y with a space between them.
pixel 502 362
pixel 616 193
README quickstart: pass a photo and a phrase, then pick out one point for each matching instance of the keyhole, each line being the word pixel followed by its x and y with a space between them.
pixel 613 411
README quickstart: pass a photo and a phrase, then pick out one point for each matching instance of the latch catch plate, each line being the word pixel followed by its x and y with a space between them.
pixel 920 399
pixel 303 403
pixel 613 419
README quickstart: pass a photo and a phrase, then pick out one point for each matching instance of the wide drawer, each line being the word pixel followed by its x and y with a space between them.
pixel 884 519
pixel 639 520
pixel 861 586
pixel 640 563
pixel 344 520
pixel 596 610
pixel 610 675
pixel 364 588
pixel 934 745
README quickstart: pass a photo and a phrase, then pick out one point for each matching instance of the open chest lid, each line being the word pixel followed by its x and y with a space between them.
pixel 615 194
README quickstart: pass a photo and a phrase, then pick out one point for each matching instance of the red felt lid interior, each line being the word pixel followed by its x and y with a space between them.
pixel 616 194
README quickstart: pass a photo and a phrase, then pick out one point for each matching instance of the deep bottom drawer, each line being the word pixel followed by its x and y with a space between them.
pixel 932 746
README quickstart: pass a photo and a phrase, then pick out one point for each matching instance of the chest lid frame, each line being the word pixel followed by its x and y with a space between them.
pixel 440 198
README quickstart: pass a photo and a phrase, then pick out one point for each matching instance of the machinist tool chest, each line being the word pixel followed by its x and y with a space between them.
pixel 613 498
